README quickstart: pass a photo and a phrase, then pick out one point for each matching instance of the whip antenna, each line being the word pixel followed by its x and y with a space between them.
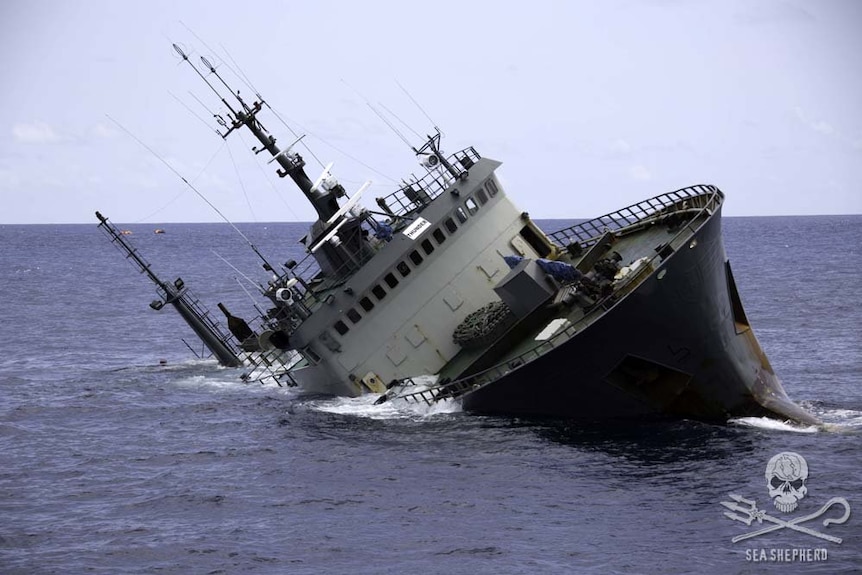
pixel 421 109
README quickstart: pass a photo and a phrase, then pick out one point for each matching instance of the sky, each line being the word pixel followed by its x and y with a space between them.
pixel 591 106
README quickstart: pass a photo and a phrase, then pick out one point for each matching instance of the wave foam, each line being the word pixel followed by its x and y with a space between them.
pixel 773 424
pixel 364 406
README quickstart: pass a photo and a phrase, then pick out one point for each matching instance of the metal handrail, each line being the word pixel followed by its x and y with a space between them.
pixel 588 232
pixel 414 196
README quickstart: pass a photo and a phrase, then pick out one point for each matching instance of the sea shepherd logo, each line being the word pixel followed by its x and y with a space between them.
pixel 786 477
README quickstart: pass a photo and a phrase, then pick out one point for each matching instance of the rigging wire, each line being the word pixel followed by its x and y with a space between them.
pixel 391 126
pixel 248 293
pixel 204 106
pixel 295 134
pixel 379 115
pixel 421 109
pixel 234 268
pixel 337 149
pixel 183 191
pixel 192 112
pixel 245 79
pixel 403 123
pixel 193 188
pixel 241 183
pixel 266 177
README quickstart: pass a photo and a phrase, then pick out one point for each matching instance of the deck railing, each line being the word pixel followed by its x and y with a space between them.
pixel 587 233
pixel 413 196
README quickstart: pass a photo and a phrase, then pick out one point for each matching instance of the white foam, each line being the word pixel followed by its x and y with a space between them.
pixel 840 420
pixel 228 381
pixel 364 406
pixel 845 416
pixel 773 424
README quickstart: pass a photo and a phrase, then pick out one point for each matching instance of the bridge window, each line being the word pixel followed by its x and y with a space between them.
pixel 311 355
pixel 390 280
pixel 471 206
pixel 403 269
pixel 439 236
pixel 367 304
pixel 427 246
pixel 491 186
pixel 353 315
pixel 378 292
pixel 483 199
pixel 451 225
pixel 415 257
pixel 341 327
pixel 461 214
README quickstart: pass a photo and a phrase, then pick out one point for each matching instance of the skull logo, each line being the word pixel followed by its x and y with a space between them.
pixel 786 474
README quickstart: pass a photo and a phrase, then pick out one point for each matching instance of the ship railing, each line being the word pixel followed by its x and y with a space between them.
pixel 271 366
pixel 201 312
pixel 415 195
pixel 708 199
pixel 685 199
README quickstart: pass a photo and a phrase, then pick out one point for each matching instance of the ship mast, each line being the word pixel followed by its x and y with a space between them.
pixel 292 164
pixel 176 294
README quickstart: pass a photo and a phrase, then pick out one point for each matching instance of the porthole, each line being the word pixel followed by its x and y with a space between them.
pixel 341 327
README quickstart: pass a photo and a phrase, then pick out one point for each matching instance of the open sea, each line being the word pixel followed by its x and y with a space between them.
pixel 122 452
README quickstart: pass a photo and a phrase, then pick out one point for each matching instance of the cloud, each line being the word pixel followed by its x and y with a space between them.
pixel 35 133
pixel 103 131
pixel 826 129
pixel 620 147
pixel 640 172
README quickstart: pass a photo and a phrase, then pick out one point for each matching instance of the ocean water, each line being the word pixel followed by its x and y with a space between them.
pixel 122 452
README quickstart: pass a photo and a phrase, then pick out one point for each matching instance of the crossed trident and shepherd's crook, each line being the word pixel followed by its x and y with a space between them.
pixel 755 514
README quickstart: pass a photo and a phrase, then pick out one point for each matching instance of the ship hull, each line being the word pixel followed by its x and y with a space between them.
pixel 679 345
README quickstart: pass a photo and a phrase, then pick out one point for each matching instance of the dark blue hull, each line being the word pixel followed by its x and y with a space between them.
pixel 679 345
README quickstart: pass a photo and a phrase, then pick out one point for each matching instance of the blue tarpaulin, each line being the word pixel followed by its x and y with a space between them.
pixel 560 271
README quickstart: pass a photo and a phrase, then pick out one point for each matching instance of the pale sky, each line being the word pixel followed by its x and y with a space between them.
pixel 591 106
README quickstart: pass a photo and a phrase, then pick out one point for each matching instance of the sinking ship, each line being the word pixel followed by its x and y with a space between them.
pixel 446 291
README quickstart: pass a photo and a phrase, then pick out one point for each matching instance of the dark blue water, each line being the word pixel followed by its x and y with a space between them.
pixel 111 463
